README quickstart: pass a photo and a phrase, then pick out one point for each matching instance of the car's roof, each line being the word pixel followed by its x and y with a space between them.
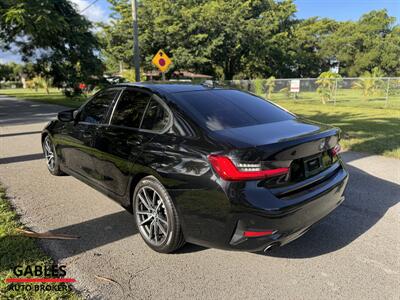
pixel 167 87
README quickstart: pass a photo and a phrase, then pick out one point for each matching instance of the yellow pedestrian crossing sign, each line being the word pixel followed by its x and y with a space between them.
pixel 161 61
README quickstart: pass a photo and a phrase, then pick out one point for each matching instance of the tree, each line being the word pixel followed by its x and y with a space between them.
pixel 5 72
pixel 222 37
pixel 249 39
pixel 308 36
pixel 266 40
pixel 373 41
pixel 53 33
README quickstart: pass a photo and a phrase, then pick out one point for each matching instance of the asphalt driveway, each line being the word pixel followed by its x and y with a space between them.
pixel 353 253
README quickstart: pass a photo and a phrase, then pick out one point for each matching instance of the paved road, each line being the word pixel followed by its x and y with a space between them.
pixel 354 253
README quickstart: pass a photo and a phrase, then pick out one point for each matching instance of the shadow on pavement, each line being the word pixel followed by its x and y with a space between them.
pixel 19 133
pixel 95 233
pixel 102 231
pixel 19 112
pixel 21 158
pixel 190 248
pixel 368 198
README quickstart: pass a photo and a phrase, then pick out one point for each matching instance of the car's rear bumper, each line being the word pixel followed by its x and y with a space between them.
pixel 290 222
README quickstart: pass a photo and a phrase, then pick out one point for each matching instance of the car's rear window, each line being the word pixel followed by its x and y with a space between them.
pixel 222 109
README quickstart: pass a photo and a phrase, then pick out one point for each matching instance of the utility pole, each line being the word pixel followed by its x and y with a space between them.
pixel 136 58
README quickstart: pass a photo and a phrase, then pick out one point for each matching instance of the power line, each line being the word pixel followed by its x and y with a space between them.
pixel 88 6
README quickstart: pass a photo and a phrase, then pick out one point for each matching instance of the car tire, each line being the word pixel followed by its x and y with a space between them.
pixel 156 217
pixel 50 155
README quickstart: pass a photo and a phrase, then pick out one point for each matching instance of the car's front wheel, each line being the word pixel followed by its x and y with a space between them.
pixel 50 155
pixel 156 217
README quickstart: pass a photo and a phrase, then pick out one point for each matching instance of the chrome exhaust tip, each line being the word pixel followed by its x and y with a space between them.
pixel 270 246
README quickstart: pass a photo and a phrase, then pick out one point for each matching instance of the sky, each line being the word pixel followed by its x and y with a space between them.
pixel 344 10
pixel 341 10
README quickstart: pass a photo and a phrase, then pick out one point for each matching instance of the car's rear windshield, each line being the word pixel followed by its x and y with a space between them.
pixel 222 109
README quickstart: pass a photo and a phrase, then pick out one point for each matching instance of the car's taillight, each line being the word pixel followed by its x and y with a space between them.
pixel 336 150
pixel 242 171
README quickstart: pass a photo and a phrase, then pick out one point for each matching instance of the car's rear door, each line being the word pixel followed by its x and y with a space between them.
pixel 77 147
pixel 118 144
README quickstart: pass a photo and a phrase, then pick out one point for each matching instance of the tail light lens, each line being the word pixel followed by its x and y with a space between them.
pixel 227 170
pixel 336 150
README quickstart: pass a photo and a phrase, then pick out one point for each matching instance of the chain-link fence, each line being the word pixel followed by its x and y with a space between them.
pixel 382 92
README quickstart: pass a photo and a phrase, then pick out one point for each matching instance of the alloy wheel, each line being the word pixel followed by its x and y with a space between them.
pixel 151 216
pixel 49 153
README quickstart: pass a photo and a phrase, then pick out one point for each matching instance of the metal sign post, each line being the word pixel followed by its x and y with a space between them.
pixel 387 91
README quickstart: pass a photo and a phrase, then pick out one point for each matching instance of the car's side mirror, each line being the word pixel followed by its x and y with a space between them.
pixel 75 114
pixel 66 116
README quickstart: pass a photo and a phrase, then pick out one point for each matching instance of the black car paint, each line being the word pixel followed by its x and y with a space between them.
pixel 112 159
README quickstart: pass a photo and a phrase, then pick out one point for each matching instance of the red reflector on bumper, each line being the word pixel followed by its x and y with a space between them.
pixel 257 233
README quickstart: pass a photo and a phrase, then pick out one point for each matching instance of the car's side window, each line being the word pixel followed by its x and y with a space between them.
pixel 96 109
pixel 156 117
pixel 130 108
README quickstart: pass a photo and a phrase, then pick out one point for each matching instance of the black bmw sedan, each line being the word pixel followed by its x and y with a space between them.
pixel 214 167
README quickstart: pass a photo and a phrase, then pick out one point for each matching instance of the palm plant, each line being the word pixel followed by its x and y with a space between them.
pixel 270 83
pixel 370 83
pixel 259 86
pixel 327 84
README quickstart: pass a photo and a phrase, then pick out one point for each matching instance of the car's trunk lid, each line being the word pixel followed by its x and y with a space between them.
pixel 303 146
pixel 273 133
